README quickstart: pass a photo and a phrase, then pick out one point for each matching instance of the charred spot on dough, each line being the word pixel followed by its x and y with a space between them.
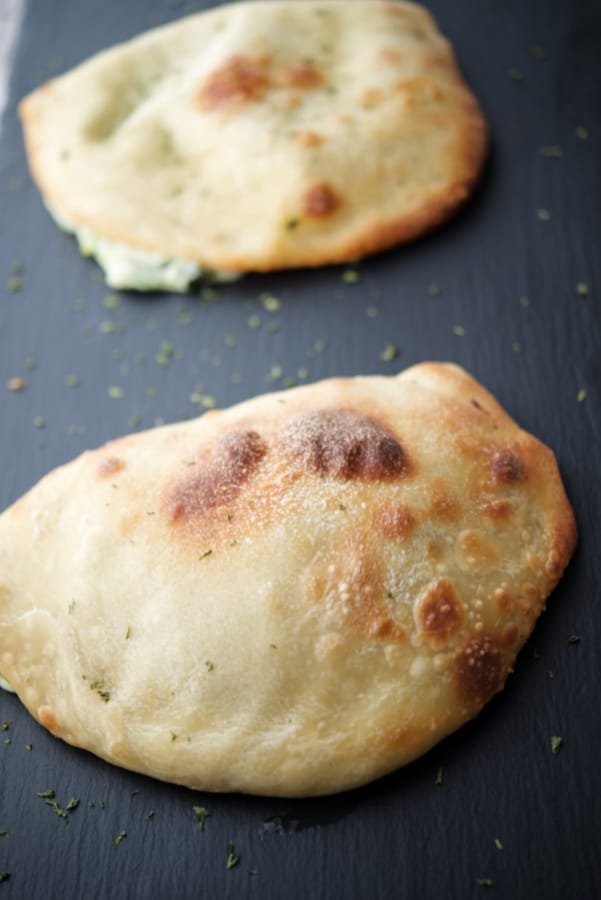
pixel 320 200
pixel 510 636
pixel 234 461
pixel 303 75
pixel 478 406
pixel 507 467
pixel 443 505
pixel 474 552
pixel 439 611
pixel 47 718
pixel 345 445
pixel 309 139
pixel 110 465
pixel 497 510
pixel 396 522
pixel 240 79
pixel 371 97
pixel 504 601
pixel 479 669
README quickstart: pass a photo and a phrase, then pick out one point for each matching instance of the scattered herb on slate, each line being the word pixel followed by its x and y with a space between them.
pixel 4 834
pixel 29 747
pixel 150 815
pixel 484 882
pixel 4 876
pixel 498 844
pixel 389 353
pixel 270 303
pixel 39 422
pixel 350 276
pixel 115 392
pixel 543 214
pixel 434 289
pixel 556 743
pixel 200 814
pixel 73 803
pixel 515 75
pixel 233 858
pixel 46 795
pixel 581 395
pixel 54 805
pixel 459 330
pixel 574 639
pixel 582 133
pixel 438 779
pixel 582 289
pixel 551 151
pixel 119 838
pixel 540 53
pixel 72 381
pixel 14 284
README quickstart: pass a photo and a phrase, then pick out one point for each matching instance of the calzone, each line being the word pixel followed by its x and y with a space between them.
pixel 256 136
pixel 290 597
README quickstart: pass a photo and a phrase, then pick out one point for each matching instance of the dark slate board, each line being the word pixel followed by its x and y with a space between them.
pixel 404 836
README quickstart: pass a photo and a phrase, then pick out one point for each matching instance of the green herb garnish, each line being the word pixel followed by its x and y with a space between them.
pixel 210 665
pixel 438 779
pixel 119 838
pixel 233 858
pixel 389 353
pixel 556 743
pixel 205 554
pixel 200 814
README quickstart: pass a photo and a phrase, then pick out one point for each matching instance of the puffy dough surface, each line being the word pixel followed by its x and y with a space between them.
pixel 262 135
pixel 290 597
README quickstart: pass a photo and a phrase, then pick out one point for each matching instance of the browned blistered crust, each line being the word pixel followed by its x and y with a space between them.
pixel 361 560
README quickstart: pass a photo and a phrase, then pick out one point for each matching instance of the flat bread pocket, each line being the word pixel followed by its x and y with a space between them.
pixel 257 136
pixel 291 597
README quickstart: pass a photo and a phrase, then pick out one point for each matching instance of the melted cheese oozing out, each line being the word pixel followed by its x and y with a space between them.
pixel 141 270
pixel 5 685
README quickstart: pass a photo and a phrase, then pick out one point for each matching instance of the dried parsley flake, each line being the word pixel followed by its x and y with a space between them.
pixel 233 858
pixel 200 814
